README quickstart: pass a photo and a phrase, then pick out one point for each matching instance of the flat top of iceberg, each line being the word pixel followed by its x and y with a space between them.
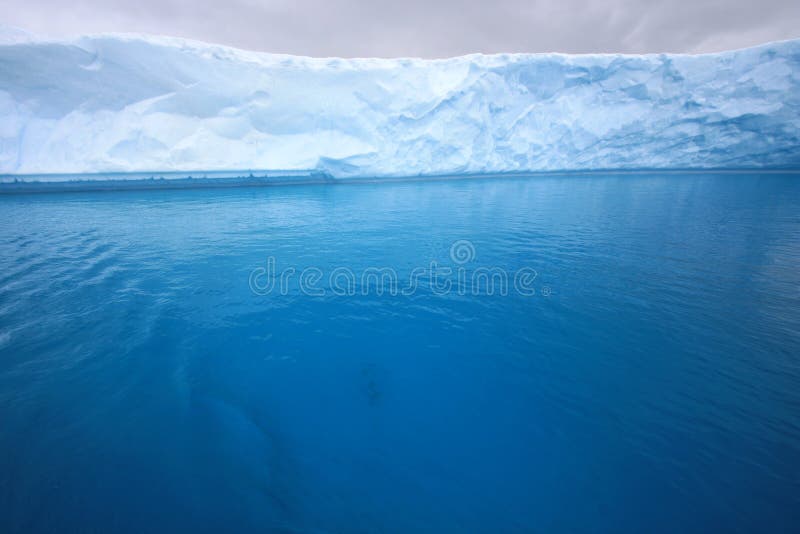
pixel 15 35
pixel 133 103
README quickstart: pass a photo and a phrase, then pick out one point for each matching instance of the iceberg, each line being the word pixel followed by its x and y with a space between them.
pixel 119 103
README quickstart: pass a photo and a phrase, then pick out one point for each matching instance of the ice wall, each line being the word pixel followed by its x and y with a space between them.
pixel 127 103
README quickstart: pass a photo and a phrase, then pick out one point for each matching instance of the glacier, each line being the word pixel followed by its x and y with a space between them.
pixel 120 103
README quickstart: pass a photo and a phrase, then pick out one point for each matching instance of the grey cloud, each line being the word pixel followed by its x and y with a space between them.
pixel 426 28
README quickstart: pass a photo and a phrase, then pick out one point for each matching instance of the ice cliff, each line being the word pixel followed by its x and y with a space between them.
pixel 139 103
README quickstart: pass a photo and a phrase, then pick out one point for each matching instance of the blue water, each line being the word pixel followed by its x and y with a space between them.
pixel 651 382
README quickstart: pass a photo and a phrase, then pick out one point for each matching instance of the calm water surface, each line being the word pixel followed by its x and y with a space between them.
pixel 651 383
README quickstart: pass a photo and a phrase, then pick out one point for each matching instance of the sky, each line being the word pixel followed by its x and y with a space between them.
pixel 425 28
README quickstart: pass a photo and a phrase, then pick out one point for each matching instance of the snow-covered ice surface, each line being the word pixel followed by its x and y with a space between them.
pixel 131 103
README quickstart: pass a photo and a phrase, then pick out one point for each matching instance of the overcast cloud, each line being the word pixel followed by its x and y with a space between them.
pixel 425 28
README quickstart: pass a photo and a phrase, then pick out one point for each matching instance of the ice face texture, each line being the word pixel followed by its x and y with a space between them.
pixel 129 103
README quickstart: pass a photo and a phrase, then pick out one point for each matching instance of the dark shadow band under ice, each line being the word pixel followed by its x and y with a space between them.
pixel 119 181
